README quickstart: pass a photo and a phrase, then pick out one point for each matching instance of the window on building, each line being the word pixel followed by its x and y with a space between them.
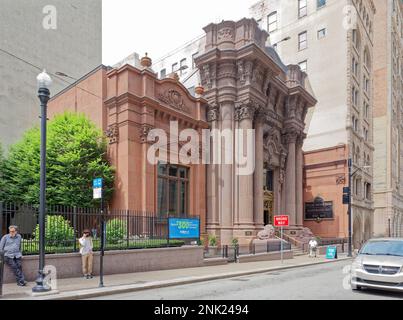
pixel 173 191
pixel 368 191
pixel 175 67
pixel 163 74
pixel 321 3
pixel 272 22
pixel 321 33
pixel 354 66
pixel 303 65
pixel 354 96
pixel 303 40
pixel 302 8
pixel 356 39
pixel 193 60
pixel 183 67
pixel 366 110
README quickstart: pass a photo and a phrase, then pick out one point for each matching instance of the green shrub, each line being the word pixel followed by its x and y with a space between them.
pixel 212 239
pixel 116 230
pixel 57 231
pixel 235 242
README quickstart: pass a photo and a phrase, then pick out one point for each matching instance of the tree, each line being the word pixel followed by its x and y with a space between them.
pixel 76 154
pixel 2 182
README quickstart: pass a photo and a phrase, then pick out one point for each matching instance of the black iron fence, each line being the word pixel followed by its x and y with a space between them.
pixel 125 229
pixel 232 252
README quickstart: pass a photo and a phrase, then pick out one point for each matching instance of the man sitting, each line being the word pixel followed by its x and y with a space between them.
pixel 10 244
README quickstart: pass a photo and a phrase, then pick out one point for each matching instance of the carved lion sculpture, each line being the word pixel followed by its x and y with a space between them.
pixel 267 233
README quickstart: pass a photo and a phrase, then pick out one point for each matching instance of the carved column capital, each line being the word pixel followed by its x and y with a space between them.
pixel 290 136
pixel 144 132
pixel 213 113
pixel 246 110
pixel 112 133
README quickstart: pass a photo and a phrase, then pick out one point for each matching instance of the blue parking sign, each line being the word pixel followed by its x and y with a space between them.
pixel 97 183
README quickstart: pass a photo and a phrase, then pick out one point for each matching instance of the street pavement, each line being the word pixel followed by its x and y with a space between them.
pixel 318 282
pixel 79 288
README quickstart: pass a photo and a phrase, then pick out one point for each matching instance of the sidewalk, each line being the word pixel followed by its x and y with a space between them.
pixel 79 288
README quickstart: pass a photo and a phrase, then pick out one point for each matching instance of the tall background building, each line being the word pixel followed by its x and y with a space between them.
pixel 61 36
pixel 332 40
pixel 388 117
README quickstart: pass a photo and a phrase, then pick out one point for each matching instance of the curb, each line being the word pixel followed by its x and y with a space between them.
pixel 121 289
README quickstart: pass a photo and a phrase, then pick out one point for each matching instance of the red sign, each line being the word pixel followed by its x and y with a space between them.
pixel 281 221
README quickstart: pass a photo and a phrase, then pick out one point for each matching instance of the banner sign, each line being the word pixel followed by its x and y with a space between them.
pixel 281 221
pixel 184 228
pixel 331 253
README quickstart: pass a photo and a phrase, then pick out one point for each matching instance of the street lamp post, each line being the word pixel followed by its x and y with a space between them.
pixel 44 83
pixel 350 222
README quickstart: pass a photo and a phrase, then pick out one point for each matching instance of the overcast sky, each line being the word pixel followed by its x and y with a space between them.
pixel 160 26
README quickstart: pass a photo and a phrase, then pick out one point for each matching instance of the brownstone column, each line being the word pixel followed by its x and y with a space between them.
pixel 213 220
pixel 258 177
pixel 244 115
pixel 299 182
pixel 226 178
pixel 290 180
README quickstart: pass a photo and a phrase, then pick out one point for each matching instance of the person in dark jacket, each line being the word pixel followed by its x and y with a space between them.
pixel 10 244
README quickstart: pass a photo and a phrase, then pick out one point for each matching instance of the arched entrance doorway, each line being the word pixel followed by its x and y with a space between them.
pixel 268 197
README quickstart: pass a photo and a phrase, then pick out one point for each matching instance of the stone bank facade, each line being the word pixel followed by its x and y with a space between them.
pixel 248 87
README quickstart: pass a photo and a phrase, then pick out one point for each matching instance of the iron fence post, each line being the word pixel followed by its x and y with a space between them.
pixel 128 229
pixel 1 218
pixel 75 228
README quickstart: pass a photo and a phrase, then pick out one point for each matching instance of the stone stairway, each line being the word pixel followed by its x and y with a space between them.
pixel 297 251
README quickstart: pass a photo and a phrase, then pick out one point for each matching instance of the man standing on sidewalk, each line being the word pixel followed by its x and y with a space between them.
pixel 11 245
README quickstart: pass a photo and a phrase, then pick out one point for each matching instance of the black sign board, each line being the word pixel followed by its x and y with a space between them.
pixel 346 195
pixel 319 209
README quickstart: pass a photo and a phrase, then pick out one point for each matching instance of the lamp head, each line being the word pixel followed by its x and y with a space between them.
pixel 44 80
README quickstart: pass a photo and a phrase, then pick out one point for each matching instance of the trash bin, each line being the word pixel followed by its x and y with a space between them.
pixel 1 272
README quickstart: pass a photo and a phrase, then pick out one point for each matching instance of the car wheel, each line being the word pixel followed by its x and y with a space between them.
pixel 356 288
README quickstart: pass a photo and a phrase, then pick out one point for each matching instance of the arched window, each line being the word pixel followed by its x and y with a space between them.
pixel 356 39
pixel 367 59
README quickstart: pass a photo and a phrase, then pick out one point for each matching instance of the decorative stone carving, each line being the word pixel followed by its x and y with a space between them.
pixel 241 72
pixel 225 34
pixel 283 162
pixel 257 76
pixel 113 133
pixel 206 76
pixel 341 180
pixel 291 105
pixel 290 136
pixel 269 232
pixel 227 70
pixel 174 99
pixel 213 113
pixel 144 132
pixel 246 110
